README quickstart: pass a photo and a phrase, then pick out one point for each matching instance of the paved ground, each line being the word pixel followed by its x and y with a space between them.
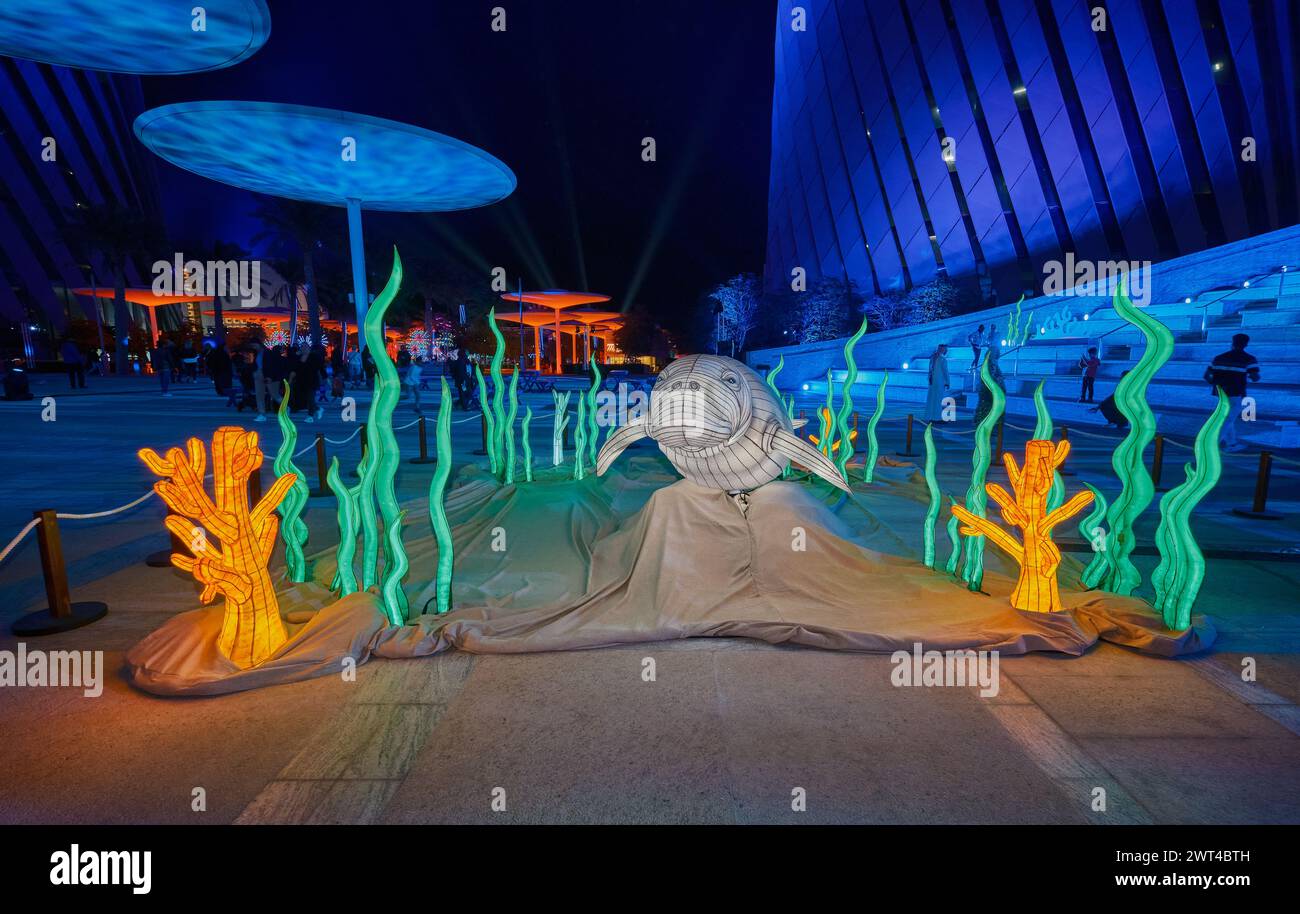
pixel 725 733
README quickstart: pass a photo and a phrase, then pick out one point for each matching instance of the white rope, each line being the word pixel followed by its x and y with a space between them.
pixel 126 507
pixel 1277 459
pixel 354 434
pixel 31 525
pixel 407 425
pixel 303 451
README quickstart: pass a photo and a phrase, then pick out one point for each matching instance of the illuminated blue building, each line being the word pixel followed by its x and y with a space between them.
pixel 979 139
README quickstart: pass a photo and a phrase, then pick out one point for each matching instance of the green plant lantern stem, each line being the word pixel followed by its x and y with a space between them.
pixel 293 530
pixel 437 510
pixel 1178 577
pixel 498 387
pixel 827 417
pixel 382 444
pixel 559 421
pixel 873 443
pixel 1013 322
pixel 345 577
pixel 592 436
pixel 955 539
pixel 932 512
pixel 789 411
pixel 369 515
pixel 846 407
pixel 1136 488
pixel 508 453
pixel 494 464
pixel 1043 432
pixel 1090 529
pixel 528 448
pixel 770 380
pixel 580 439
pixel 976 497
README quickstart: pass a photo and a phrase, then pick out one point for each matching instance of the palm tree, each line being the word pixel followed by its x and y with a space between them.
pixel 220 250
pixel 302 225
pixel 119 235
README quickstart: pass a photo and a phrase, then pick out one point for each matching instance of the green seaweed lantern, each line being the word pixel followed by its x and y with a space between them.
pixel 592 436
pixel 559 421
pixel 345 577
pixel 1136 487
pixel 528 448
pixel 932 512
pixel 827 424
pixel 293 530
pixel 437 511
pixel 508 452
pixel 1090 529
pixel 1013 323
pixel 954 539
pixel 976 498
pixel 490 434
pixel 846 407
pixel 770 379
pixel 382 447
pixel 580 439
pixel 497 426
pixel 1043 432
pixel 873 443
pixel 1177 578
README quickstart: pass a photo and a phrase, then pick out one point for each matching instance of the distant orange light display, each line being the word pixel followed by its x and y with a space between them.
pixel 251 629
pixel 1039 557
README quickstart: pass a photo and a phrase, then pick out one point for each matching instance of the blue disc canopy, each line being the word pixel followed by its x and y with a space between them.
pixel 147 37
pixel 324 156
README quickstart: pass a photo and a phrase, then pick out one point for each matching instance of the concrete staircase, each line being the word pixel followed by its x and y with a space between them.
pixel 1266 307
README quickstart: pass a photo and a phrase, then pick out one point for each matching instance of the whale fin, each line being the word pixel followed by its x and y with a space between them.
pixel 796 449
pixel 798 423
pixel 616 443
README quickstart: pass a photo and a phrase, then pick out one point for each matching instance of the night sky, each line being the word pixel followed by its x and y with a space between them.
pixel 564 97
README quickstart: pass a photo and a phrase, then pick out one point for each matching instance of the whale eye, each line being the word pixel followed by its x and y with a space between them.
pixel 731 379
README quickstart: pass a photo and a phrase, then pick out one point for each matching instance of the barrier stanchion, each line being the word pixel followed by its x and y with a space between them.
pixel 1259 509
pixel 1001 426
pixel 424 446
pixel 1158 463
pixel 361 432
pixel 62 614
pixel 1064 469
pixel 482 450
pixel 907 449
pixel 163 557
pixel 322 489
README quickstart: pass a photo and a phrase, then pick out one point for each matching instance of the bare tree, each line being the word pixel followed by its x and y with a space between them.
pixel 739 299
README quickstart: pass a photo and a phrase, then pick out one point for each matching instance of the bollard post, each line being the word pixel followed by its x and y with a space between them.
pixel 424 446
pixel 907 449
pixel 1001 424
pixel 322 489
pixel 1064 469
pixel 483 448
pixel 62 614
pixel 255 487
pixel 1259 508
pixel 1158 462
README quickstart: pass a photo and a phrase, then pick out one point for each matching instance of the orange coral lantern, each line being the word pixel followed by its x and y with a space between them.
pixel 1039 557
pixel 251 629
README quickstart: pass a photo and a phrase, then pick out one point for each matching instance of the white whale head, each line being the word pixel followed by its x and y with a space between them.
pixel 720 425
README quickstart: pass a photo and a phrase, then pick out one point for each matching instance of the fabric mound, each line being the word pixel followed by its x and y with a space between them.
pixel 636 557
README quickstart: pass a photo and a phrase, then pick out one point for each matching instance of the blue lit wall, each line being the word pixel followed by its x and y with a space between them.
pixel 1120 144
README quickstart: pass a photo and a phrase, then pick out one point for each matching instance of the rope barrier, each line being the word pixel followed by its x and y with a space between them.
pixel 13 543
pixel 354 434
pixel 126 507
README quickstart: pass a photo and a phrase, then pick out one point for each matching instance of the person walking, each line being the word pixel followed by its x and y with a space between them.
pixel 938 377
pixel 976 341
pixel 164 362
pixel 1230 371
pixel 412 381
pixel 1090 364
pixel 222 371
pixel 459 376
pixel 74 362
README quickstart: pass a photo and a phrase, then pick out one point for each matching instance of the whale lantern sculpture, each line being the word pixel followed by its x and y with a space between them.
pixel 720 426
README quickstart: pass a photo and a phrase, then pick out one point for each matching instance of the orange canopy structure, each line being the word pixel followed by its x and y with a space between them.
pixel 146 298
pixel 597 322
pixel 556 300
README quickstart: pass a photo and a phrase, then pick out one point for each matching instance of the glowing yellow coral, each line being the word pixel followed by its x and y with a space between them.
pixel 251 629
pixel 1039 557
